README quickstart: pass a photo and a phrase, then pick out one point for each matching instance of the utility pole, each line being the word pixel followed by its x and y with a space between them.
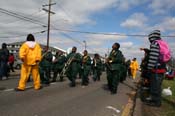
pixel 85 45
pixel 48 27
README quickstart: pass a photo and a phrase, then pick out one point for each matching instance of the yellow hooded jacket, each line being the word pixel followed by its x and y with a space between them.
pixel 30 53
pixel 134 65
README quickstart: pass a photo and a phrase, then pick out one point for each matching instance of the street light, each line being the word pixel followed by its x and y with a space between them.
pixel 85 45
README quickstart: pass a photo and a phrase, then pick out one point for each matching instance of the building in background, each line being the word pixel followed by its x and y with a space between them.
pixel 14 48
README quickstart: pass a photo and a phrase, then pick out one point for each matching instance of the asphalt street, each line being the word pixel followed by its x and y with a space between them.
pixel 59 99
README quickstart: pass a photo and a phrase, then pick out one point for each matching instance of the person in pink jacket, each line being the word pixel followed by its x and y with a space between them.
pixel 30 54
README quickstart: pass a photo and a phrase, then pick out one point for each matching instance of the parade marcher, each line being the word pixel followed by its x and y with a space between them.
pixel 4 55
pixel 134 66
pixel 86 67
pixel 128 62
pixel 11 62
pixel 58 65
pixel 123 72
pixel 113 63
pixel 30 54
pixel 73 62
pixel 156 68
pixel 45 66
pixel 97 67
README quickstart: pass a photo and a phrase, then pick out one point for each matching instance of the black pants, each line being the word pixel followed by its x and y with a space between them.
pixel 55 74
pixel 156 82
pixel 11 67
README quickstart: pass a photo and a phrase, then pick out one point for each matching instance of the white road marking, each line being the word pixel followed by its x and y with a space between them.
pixel 12 89
pixel 114 109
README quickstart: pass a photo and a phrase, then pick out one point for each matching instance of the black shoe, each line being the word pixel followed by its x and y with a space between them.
pixel 45 84
pixel 61 80
pixel 113 92
pixel 72 85
pixel 17 89
pixel 153 104
pixel 53 81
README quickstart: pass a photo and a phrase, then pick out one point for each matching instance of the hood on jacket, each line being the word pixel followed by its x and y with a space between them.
pixel 30 44
pixel 154 35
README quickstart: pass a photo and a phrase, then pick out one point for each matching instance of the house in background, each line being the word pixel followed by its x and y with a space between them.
pixel 14 48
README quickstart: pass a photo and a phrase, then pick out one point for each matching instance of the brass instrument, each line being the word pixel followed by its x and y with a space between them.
pixel 108 64
pixel 95 62
pixel 66 66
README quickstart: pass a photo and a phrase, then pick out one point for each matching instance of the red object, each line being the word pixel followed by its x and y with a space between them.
pixel 11 59
pixel 158 70
pixel 170 76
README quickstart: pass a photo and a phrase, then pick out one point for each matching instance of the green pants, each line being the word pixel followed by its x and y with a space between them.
pixel 113 79
pixel 85 79
pixel 72 73
pixel 44 75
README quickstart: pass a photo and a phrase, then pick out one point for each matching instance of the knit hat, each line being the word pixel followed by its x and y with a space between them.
pixel 154 35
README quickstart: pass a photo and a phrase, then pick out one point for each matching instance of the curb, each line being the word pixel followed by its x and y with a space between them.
pixel 130 106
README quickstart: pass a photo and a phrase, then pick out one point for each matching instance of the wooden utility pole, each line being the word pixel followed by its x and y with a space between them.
pixel 49 12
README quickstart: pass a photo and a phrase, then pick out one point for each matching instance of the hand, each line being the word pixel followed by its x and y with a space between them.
pixel 84 61
pixel 73 59
pixel 107 60
pixel 22 59
pixel 37 61
pixel 141 48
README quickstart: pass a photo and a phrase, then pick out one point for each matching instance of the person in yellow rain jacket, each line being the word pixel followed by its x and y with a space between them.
pixel 30 54
pixel 134 67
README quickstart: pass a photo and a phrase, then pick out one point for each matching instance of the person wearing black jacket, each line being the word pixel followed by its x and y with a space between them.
pixel 4 55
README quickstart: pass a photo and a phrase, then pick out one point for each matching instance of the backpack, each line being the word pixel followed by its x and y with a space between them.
pixel 165 54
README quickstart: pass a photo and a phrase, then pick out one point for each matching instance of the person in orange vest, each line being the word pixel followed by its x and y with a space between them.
pixel 30 54
pixel 134 67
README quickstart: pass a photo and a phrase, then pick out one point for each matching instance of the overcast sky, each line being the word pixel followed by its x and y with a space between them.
pixel 128 17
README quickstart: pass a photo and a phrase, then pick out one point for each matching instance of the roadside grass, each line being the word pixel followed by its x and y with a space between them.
pixel 168 102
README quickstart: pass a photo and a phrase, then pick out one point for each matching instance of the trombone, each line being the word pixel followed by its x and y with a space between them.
pixel 66 66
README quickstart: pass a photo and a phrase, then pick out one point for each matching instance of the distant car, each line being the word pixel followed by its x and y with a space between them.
pixel 17 64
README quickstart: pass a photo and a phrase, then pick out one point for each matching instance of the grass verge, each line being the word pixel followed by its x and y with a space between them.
pixel 168 102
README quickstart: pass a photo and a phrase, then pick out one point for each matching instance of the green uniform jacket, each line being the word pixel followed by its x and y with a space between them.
pixel 60 62
pixel 77 60
pixel 99 64
pixel 116 58
pixel 87 64
pixel 46 61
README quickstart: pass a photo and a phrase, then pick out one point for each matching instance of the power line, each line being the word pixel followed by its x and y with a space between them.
pixel 115 34
pixel 24 34
pixel 30 15
pixel 13 14
pixel 71 38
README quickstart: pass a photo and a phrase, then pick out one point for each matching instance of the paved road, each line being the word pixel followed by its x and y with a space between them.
pixel 59 99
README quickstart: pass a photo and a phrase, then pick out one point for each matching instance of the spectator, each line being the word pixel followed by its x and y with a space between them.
pixel 30 54
pixel 11 62
pixel 134 67
pixel 156 68
pixel 4 55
